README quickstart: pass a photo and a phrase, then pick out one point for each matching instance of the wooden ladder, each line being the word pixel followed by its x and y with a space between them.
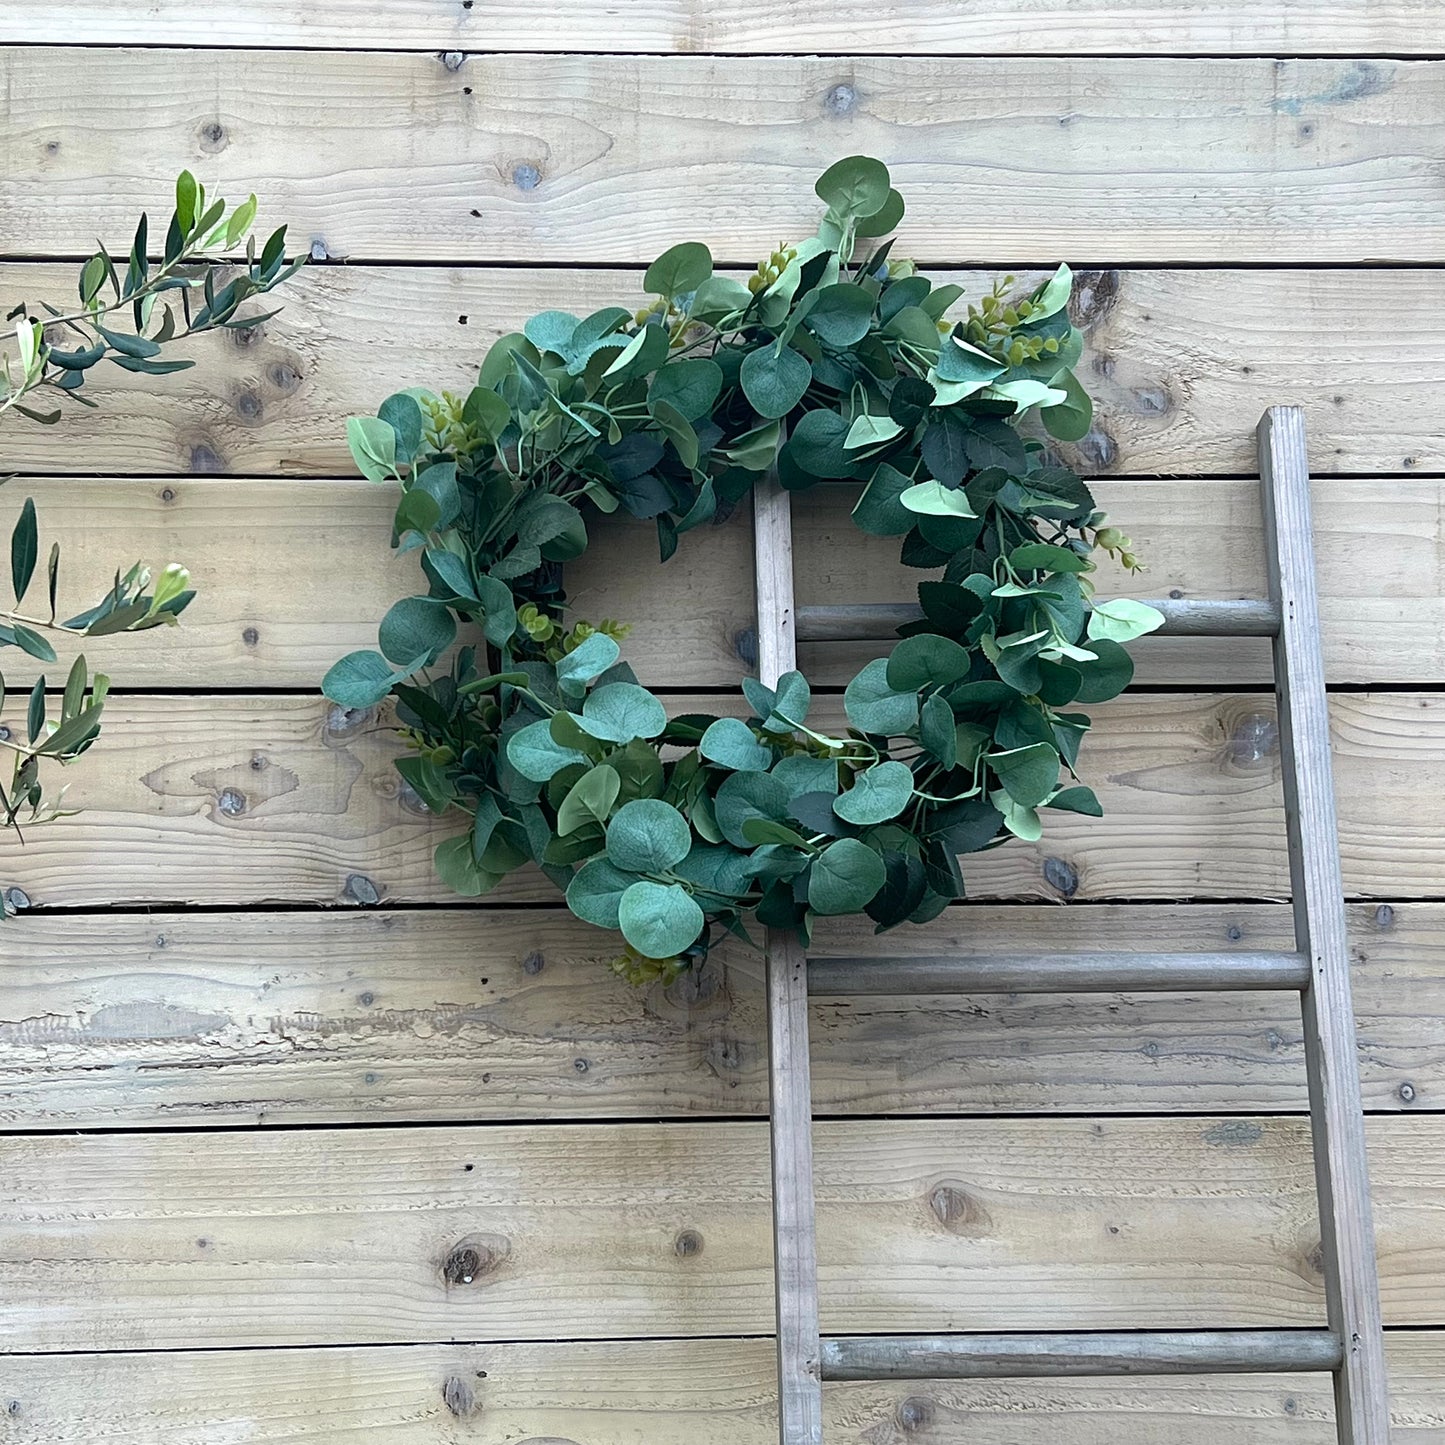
pixel 1351 1345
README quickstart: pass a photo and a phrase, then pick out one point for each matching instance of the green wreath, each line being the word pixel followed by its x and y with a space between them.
pixel 833 363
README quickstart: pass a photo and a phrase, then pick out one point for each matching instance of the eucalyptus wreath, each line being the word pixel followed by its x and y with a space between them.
pixel 833 363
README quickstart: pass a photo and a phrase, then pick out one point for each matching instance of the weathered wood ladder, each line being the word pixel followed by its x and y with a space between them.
pixel 1351 1346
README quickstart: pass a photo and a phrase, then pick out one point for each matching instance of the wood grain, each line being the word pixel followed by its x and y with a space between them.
pixel 1180 363
pixel 713 1392
pixel 293 574
pixel 691 27
pixel 164 1020
pixel 228 800
pixel 567 158
pixel 385 1236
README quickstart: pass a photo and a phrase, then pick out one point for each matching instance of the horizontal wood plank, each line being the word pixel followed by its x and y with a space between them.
pixel 568 158
pixel 426 1236
pixel 263 799
pixel 463 1014
pixel 712 1392
pixel 292 575
pixel 692 27
pixel 1181 364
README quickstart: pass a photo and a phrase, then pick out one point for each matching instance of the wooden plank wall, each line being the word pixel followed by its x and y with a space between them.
pixel 295 1148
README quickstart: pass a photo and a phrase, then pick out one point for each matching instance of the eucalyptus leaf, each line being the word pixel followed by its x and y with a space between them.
pixel 359 680
pixel 1121 620
pixel 595 892
pixel 537 755
pixel 679 270
pixel 873 706
pixel 1029 775
pixel 589 800
pixel 731 743
pixel 844 877
pixel 775 380
pixel 659 920
pixel 877 794
pixel 621 711
pixel 648 836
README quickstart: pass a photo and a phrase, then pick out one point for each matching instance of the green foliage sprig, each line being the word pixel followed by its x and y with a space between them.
pixel 198 233
pixel 834 363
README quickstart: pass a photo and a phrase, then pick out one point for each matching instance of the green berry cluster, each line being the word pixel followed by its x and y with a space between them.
pixel 768 271
pixel 990 326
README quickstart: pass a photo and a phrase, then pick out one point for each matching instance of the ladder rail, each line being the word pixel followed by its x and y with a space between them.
pixel 1317 891
pixel 1070 1353
pixel 1183 617
pixel 1058 973
pixel 790 1115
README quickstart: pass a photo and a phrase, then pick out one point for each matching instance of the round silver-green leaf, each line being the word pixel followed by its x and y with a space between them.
pixel 774 383
pixel 875 707
pixel 595 892
pixel 845 876
pixel 878 793
pixel 537 755
pixel 620 711
pixel 659 919
pixel 730 742
pixel 648 836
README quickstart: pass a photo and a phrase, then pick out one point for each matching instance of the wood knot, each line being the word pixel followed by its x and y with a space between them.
pixel 1150 400
pixel 360 889
pixel 410 800
pixel 212 136
pixel 915 1414
pixel 533 964
pixel 341 721
pixel 232 802
pixel 1061 876
pixel 745 644
pixel 283 376
pixel 1096 293
pixel 1384 916
pixel 956 1209
pixel 1252 742
pixel 16 898
pixel 205 458
pixel 319 251
pixel 841 99
pixel 249 406
pixel 453 59
pixel 459 1397
pixel 688 1244
pixel 250 636
pixel 1098 449
pixel 475 1257
pixel 526 176
pixel 695 993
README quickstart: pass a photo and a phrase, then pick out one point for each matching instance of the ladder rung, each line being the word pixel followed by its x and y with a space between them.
pixel 1185 1352
pixel 1059 973
pixel 878 621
